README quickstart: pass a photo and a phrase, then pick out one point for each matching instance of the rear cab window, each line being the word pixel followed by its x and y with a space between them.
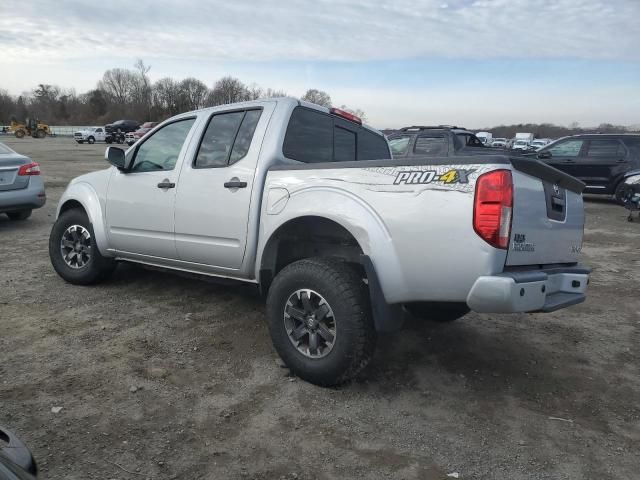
pixel 431 145
pixel 316 137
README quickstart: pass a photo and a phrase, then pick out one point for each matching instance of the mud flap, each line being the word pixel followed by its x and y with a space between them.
pixel 387 318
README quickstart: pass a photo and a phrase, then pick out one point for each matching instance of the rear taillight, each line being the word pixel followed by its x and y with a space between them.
pixel 29 169
pixel 493 207
pixel 346 115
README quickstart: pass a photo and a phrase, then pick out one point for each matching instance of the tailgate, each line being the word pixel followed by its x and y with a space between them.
pixel 548 215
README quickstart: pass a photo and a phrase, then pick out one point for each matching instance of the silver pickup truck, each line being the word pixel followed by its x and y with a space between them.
pixel 307 203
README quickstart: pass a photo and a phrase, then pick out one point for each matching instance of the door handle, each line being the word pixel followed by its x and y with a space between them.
pixel 166 184
pixel 235 184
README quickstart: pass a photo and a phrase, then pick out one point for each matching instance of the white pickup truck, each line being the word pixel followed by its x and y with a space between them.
pixel 307 204
pixel 90 135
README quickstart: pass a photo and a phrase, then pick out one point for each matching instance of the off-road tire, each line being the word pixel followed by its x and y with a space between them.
pixel 19 215
pixel 441 313
pixel 97 269
pixel 19 133
pixel 91 140
pixel 344 290
pixel 40 133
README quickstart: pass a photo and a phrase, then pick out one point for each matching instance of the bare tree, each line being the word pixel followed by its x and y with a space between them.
pixel 118 84
pixel 194 94
pixel 318 97
pixel 166 95
pixel 227 90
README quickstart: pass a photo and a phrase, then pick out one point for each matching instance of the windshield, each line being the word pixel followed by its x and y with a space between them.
pixel 521 142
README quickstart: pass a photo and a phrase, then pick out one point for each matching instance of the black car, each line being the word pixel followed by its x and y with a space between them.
pixel 438 141
pixel 599 160
pixel 122 126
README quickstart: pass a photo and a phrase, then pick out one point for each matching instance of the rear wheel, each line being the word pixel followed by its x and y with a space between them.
pixel 439 312
pixel 19 133
pixel 41 133
pixel 91 140
pixel 320 320
pixel 19 215
pixel 73 250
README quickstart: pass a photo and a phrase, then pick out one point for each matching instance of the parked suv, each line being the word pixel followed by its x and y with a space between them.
pixel 438 141
pixel 599 160
pixel 122 126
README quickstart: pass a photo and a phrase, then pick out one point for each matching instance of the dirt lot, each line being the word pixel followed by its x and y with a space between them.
pixel 168 377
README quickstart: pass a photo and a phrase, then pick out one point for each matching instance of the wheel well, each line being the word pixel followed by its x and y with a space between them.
pixel 70 205
pixel 306 237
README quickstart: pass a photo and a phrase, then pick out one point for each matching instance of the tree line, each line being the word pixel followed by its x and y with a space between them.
pixel 124 93
pixel 549 130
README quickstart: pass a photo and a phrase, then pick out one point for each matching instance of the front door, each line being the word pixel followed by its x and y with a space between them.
pixel 214 194
pixel 140 201
pixel 565 155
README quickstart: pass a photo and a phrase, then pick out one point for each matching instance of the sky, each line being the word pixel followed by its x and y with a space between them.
pixel 475 63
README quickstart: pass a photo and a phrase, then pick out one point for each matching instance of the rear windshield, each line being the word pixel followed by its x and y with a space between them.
pixel 314 137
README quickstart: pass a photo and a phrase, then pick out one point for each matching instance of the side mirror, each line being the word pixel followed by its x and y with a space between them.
pixel 544 155
pixel 115 156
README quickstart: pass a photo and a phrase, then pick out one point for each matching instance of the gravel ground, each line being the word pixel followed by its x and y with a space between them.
pixel 159 376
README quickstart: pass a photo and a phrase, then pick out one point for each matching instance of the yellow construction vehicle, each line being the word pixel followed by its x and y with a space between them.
pixel 31 127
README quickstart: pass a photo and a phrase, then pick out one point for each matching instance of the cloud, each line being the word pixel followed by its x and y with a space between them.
pixel 338 30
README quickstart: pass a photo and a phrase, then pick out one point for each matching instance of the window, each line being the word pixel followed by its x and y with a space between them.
pixel 309 137
pixel 372 146
pixel 399 145
pixel 606 147
pixel 245 135
pixel 314 137
pixel 161 150
pixel 344 145
pixel 568 148
pixel 431 145
pixel 470 140
pixel 217 142
pixel 98 130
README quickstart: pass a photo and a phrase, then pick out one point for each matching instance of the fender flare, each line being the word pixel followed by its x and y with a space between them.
pixel 84 194
pixel 350 212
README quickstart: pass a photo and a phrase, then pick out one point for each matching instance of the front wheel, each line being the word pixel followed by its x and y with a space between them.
pixel 19 133
pixel 73 250
pixel 40 133
pixel 19 215
pixel 320 320
pixel 620 193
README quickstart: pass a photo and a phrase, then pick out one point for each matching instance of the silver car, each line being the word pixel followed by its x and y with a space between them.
pixel 21 186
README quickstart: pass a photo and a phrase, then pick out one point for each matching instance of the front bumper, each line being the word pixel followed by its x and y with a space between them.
pixel 544 290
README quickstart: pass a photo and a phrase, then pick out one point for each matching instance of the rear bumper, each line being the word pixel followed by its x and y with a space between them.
pixel 529 290
pixel 25 198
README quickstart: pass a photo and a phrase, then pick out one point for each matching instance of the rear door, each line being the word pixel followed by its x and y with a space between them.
pixel 214 191
pixel 603 157
pixel 10 163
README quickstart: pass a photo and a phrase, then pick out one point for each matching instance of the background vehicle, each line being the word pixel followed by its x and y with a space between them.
pixel 630 193
pixel 306 203
pixel 599 160
pixel 122 126
pixel 522 141
pixel 538 143
pixel 485 137
pixel 499 143
pixel 90 135
pixel 133 137
pixel 31 127
pixel 431 141
pixel 16 461
pixel 21 186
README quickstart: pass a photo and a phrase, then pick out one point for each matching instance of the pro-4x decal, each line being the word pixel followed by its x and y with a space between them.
pixel 422 177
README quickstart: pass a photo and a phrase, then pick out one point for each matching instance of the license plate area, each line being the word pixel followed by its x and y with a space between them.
pixel 7 177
